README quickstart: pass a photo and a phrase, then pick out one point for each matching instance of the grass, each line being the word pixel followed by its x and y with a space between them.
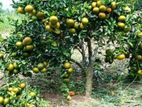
pixel 8 17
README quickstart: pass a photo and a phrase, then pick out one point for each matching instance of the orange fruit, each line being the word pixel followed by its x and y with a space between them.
pixel 102 15
pixel 1 100
pixel 120 57
pixel 121 25
pixel 40 66
pixel 96 10
pixel 44 70
pixel 72 30
pixel 20 10
pixel 139 57
pixel 67 65
pixel 48 28
pixel 140 34
pixel 29 8
pixel 85 21
pixel 70 70
pixel 29 47
pixel 71 93
pixel 76 25
pixel 35 70
pixel 82 26
pixel 27 41
pixel 113 5
pixel 22 85
pixel 5 101
pixel 102 8
pixel 121 18
pixel 10 67
pixel 40 15
pixel 99 3
pixel 19 44
pixel 53 19
pixel 109 10
pixel 32 94
pixel 93 4
pixel 70 22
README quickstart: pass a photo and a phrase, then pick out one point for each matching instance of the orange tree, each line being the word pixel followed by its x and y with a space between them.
pixel 44 41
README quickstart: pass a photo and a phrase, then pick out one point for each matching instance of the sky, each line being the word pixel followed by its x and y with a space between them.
pixel 7 4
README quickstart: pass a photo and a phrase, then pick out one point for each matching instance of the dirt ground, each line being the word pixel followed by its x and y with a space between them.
pixel 129 97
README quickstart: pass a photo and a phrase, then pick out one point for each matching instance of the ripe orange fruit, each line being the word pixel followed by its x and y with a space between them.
pixel 57 25
pixel 27 41
pixel 35 70
pixel 40 15
pixel 70 22
pixel 71 93
pixel 29 47
pixel 29 8
pixel 10 67
pixel 44 70
pixel 140 72
pixel 68 97
pixel 72 30
pixel 76 25
pixel 93 4
pixel 140 46
pixel 120 57
pixel 109 10
pixel 81 26
pixel 20 10
pixel 32 94
pixel 140 34
pixel 139 57
pixel 67 65
pixel 15 65
pixel 85 21
pixel 121 18
pixel 127 9
pixel 99 3
pixel 33 12
pixel 40 66
pixel 53 19
pixel 121 25
pixel 22 85
pixel 15 90
pixel 19 44
pixel 96 10
pixel 70 70
pixel 1 100
pixel 102 8
pixel 5 101
pixel 113 5
pixel 48 28
pixel 102 15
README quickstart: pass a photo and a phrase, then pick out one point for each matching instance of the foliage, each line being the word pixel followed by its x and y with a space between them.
pixel 43 41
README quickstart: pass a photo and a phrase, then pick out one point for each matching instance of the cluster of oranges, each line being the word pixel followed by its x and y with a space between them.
pixel 31 10
pixel 53 25
pixel 74 25
pixel 11 91
pixel 101 10
pixel 121 22
pixel 12 68
pixel 41 67
pixel 26 44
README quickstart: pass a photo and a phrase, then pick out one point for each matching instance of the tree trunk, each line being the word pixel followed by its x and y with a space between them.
pixel 89 80
pixel 89 70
